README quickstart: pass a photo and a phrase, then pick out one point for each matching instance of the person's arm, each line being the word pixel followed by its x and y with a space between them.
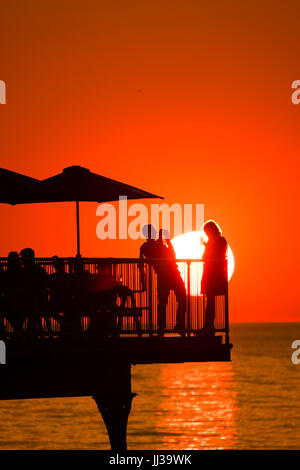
pixel 45 278
pixel 205 255
pixel 141 267
pixel 171 248
pixel 225 247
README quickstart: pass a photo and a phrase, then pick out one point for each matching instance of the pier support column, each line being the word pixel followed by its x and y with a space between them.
pixel 115 412
pixel 114 403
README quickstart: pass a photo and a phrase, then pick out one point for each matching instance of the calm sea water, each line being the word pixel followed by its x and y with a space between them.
pixel 251 403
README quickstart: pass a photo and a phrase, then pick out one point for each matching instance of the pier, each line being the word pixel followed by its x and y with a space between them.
pixel 92 354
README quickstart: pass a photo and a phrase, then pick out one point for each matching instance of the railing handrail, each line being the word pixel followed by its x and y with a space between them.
pixel 120 260
pixel 148 299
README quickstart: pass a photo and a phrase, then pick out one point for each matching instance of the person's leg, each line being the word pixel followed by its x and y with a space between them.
pixel 136 316
pixel 163 295
pixel 17 322
pixel 14 311
pixel 3 308
pixel 34 320
pixel 180 292
pixel 209 317
pixel 74 317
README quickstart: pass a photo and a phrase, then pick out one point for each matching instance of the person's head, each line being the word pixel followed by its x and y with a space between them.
pixel 163 233
pixel 106 269
pixel 13 259
pixel 71 264
pixel 58 264
pixel 212 229
pixel 79 264
pixel 100 267
pixel 27 255
pixel 149 232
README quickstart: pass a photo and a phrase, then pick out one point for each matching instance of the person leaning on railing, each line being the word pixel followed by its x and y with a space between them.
pixel 162 257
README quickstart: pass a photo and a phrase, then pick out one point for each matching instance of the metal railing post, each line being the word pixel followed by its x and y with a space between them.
pixel 150 300
pixel 189 296
pixel 226 310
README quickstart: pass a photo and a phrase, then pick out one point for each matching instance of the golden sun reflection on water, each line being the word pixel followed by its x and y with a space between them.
pixel 198 406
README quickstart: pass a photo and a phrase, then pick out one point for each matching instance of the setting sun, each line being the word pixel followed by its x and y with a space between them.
pixel 191 246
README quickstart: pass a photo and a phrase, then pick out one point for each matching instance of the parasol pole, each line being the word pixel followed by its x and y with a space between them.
pixel 77 226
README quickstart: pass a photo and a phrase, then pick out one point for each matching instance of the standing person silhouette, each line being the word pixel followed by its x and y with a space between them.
pixel 170 279
pixel 168 276
pixel 214 279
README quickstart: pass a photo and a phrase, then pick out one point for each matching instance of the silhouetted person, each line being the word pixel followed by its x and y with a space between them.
pixel 35 282
pixel 168 276
pixel 170 279
pixel 105 289
pixel 59 277
pixel 214 279
pixel 2 301
pixel 14 291
pixel 1 279
pixel 105 279
pixel 60 290
pixel 71 265
pixel 81 275
pixel 80 279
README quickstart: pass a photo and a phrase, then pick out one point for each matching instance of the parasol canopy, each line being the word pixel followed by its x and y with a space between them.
pixel 16 188
pixel 77 183
pixel 74 183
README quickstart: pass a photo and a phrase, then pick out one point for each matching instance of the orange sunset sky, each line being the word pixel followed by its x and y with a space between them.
pixel 190 100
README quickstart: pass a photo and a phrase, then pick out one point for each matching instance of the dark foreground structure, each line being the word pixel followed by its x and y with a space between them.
pixel 81 342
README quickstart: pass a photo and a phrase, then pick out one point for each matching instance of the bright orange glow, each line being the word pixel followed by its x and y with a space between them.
pixel 151 110
pixel 190 246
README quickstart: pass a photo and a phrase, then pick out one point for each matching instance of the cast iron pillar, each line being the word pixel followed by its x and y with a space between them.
pixel 114 403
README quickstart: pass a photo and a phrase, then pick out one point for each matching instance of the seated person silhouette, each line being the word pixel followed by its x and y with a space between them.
pixel 2 301
pixel 1 279
pixel 35 283
pixel 60 290
pixel 163 260
pixel 13 290
pixel 214 279
pixel 106 288
pixel 79 285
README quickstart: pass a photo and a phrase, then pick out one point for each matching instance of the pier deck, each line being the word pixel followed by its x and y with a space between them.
pixel 55 361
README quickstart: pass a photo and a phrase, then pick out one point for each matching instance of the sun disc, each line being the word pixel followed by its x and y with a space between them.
pixel 191 246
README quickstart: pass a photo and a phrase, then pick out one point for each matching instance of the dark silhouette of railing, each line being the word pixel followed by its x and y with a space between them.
pixel 137 314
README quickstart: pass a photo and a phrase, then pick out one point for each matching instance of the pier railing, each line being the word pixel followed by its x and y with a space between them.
pixel 136 313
